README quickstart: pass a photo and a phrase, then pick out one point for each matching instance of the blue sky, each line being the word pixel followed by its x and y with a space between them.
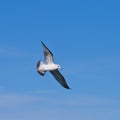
pixel 84 37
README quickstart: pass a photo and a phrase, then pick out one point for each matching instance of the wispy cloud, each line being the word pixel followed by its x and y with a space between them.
pixel 49 104
pixel 43 92
pixel 10 100
pixel 13 100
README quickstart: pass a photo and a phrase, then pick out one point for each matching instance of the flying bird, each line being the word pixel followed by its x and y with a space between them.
pixel 50 66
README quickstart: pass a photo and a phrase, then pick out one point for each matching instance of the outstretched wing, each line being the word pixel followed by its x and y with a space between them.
pixel 58 76
pixel 47 54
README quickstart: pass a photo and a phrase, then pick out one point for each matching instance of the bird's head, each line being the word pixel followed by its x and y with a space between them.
pixel 58 66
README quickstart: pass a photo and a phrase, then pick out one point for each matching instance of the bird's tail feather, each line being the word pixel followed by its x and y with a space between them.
pixel 41 72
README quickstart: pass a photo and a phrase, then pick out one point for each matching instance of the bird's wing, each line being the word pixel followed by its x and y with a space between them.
pixel 58 76
pixel 47 54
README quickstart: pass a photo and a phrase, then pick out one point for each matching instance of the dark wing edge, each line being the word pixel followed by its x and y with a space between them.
pixel 47 48
pixel 58 76
pixel 47 52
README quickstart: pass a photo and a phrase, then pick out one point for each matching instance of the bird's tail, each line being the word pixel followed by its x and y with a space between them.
pixel 41 72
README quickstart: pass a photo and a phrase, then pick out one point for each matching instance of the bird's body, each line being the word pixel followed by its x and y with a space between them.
pixel 48 67
pixel 51 67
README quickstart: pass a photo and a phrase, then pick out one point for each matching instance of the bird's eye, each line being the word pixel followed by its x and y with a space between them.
pixel 59 66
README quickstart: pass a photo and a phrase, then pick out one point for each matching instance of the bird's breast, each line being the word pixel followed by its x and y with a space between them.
pixel 50 67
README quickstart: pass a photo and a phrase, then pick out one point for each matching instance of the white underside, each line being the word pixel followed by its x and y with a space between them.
pixel 48 67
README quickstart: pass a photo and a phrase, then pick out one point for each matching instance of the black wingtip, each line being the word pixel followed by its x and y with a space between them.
pixel 42 43
pixel 44 46
pixel 67 87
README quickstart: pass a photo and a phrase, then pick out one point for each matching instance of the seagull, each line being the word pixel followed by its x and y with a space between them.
pixel 50 66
